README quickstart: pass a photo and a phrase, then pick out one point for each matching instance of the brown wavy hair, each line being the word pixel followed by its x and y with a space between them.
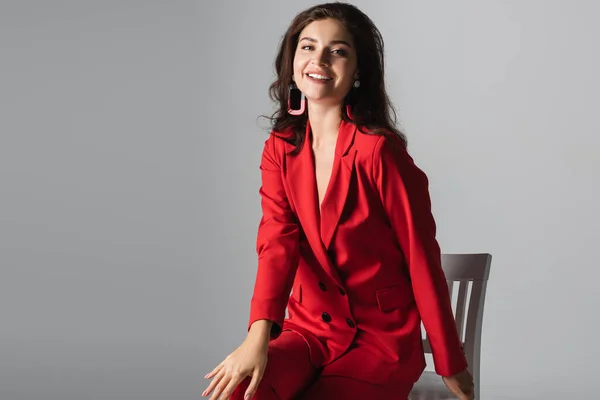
pixel 372 110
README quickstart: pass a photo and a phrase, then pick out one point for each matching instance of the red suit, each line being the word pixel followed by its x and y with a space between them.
pixel 364 271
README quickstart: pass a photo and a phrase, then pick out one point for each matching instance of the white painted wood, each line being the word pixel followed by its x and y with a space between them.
pixel 461 269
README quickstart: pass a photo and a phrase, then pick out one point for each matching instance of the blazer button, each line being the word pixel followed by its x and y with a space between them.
pixel 326 317
pixel 350 323
pixel 341 291
pixel 322 286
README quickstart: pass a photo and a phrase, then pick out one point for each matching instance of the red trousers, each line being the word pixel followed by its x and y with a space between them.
pixel 290 375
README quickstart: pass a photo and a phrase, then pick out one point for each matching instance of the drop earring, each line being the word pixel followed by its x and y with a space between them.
pixel 298 97
pixel 356 84
pixel 349 112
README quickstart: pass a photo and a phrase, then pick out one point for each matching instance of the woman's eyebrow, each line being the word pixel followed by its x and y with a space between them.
pixel 332 42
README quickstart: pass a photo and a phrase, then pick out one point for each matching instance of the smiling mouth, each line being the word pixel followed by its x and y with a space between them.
pixel 318 77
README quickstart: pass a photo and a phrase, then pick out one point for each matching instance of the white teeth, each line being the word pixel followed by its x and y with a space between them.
pixel 316 76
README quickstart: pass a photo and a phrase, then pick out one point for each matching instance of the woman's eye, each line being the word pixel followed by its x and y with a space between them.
pixel 340 52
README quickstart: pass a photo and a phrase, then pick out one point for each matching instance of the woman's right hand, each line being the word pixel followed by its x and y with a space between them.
pixel 250 359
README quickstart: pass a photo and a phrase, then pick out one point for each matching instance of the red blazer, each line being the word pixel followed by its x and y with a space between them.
pixel 365 270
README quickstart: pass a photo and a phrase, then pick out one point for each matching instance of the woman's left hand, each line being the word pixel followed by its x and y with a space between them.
pixel 461 385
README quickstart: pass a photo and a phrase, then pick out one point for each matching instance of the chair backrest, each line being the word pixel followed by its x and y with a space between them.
pixel 463 270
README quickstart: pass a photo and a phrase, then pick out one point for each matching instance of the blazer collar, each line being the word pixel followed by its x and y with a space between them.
pixel 320 225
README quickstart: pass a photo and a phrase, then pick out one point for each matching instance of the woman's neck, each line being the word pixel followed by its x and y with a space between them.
pixel 324 123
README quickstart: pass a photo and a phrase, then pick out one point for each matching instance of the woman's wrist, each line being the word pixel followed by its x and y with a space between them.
pixel 260 329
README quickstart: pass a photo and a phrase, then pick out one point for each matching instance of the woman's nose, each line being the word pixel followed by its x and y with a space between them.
pixel 321 58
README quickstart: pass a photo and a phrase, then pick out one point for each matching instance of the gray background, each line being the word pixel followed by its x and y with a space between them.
pixel 129 152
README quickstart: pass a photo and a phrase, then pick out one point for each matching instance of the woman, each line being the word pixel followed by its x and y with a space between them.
pixel 347 229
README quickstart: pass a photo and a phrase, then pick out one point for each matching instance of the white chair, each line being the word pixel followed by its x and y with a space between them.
pixel 463 269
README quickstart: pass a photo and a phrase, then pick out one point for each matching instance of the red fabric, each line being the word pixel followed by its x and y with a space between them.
pixel 288 372
pixel 365 269
pixel 291 376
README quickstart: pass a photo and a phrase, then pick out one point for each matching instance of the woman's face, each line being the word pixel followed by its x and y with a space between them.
pixel 325 62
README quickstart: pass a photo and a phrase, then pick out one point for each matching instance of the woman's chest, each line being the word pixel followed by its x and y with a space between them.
pixel 323 167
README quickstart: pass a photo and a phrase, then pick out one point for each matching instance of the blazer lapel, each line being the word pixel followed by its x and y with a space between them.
pixel 320 226
pixel 337 190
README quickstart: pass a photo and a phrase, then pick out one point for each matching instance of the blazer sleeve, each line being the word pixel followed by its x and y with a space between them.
pixel 404 192
pixel 277 245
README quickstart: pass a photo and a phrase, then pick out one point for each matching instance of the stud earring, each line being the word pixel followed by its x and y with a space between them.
pixel 293 91
pixel 356 83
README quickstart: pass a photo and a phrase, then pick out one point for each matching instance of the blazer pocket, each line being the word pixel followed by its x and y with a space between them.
pixel 392 297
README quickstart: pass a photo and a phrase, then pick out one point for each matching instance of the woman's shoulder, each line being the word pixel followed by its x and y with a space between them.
pixel 279 142
pixel 284 135
pixel 370 143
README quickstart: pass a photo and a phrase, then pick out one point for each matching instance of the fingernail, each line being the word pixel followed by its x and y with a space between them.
pixel 206 376
pixel 247 396
pixel 204 394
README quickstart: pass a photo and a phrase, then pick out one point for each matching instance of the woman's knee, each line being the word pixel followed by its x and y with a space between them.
pixel 288 371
